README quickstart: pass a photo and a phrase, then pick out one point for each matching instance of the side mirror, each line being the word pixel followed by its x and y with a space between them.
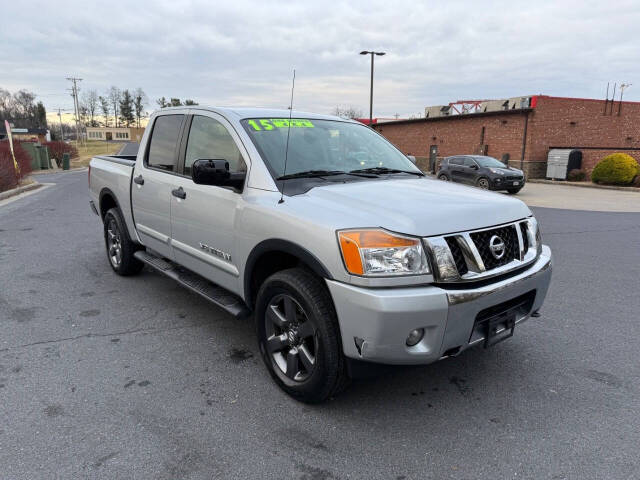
pixel 412 158
pixel 474 167
pixel 216 172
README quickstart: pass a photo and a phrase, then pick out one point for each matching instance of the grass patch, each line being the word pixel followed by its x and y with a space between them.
pixel 91 149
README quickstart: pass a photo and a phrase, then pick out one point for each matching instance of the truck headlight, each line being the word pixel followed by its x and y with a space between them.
pixel 494 170
pixel 535 235
pixel 376 252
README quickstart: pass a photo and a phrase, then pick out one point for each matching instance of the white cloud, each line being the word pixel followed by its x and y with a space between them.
pixel 243 52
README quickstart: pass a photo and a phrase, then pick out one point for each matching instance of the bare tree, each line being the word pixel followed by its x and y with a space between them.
pixel 6 103
pixel 347 112
pixel 115 95
pixel 24 103
pixel 139 101
pixel 21 109
pixel 90 103
pixel 162 102
pixel 105 108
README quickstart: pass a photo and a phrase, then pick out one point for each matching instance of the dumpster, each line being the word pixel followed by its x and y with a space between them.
pixel 43 156
pixel 562 161
pixel 66 158
pixel 30 148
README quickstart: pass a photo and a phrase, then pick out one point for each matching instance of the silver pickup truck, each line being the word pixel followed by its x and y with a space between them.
pixel 339 247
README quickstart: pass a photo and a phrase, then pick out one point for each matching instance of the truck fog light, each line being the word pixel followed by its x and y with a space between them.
pixel 415 336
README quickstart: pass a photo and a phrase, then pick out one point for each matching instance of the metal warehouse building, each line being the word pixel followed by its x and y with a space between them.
pixel 522 130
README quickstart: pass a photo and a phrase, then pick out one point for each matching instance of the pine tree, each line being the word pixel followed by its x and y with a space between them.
pixel 126 109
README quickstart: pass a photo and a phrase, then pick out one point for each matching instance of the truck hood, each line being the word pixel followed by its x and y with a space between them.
pixel 420 206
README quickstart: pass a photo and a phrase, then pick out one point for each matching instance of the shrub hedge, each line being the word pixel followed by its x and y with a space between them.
pixel 8 176
pixel 56 149
pixel 616 169
pixel 577 175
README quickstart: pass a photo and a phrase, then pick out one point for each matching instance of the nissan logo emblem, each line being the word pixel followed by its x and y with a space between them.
pixel 497 247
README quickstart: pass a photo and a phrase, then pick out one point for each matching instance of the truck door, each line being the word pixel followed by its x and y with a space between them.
pixel 153 180
pixel 203 216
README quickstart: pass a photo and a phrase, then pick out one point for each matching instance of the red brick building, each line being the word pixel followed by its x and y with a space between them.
pixel 525 135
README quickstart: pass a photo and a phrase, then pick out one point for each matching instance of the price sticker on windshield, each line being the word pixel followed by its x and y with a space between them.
pixel 275 123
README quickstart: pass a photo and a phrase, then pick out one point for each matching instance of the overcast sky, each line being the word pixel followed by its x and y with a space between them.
pixel 243 52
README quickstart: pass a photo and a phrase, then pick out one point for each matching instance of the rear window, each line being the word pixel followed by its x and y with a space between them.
pixel 164 139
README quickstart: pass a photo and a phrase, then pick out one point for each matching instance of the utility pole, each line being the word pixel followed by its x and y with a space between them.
pixel 61 129
pixel 74 94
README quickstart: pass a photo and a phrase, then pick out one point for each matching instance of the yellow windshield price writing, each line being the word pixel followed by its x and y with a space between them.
pixel 272 123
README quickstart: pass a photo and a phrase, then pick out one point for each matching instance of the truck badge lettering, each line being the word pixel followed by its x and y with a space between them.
pixel 214 251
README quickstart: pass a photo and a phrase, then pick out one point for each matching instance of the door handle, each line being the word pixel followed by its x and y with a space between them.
pixel 138 180
pixel 179 192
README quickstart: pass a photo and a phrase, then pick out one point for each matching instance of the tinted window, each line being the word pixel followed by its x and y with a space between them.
pixel 490 162
pixel 455 161
pixel 162 149
pixel 209 139
pixel 468 162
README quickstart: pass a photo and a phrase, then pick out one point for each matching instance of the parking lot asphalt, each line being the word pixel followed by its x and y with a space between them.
pixel 110 377
pixel 580 198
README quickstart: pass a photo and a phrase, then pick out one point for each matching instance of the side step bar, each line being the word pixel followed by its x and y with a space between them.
pixel 196 283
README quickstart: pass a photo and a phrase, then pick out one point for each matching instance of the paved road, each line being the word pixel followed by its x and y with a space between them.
pixel 106 377
pixel 129 148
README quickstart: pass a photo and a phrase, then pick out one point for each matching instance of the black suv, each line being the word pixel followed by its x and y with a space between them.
pixel 484 172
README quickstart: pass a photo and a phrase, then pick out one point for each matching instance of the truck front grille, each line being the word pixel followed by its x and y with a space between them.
pixel 469 256
pixel 458 257
pixel 506 235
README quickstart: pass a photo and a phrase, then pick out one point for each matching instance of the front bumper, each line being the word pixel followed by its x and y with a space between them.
pixel 375 322
pixel 499 183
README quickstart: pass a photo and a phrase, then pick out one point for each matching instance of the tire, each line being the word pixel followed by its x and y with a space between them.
pixel 483 183
pixel 443 177
pixel 513 191
pixel 120 248
pixel 299 337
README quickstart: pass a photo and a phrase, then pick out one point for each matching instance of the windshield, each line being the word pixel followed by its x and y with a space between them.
pixel 322 145
pixel 489 162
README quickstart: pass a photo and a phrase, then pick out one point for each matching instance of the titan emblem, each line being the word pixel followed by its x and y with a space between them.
pixel 214 251
pixel 497 247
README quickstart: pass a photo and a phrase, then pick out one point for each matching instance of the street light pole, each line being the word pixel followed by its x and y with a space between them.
pixel 372 53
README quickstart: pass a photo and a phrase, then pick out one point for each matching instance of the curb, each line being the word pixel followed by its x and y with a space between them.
pixel 583 185
pixel 18 190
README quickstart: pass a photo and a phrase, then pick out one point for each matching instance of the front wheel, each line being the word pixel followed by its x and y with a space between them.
pixel 483 183
pixel 298 336
pixel 443 177
pixel 120 248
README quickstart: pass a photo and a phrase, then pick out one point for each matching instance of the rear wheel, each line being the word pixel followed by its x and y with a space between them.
pixel 513 191
pixel 299 337
pixel 483 183
pixel 120 248
pixel 443 177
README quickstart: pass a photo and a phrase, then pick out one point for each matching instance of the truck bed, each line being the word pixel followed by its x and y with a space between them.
pixel 113 173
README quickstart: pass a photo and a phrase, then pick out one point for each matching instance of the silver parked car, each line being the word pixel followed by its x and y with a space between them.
pixel 326 234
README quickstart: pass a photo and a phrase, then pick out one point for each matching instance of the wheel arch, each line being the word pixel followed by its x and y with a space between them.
pixel 273 255
pixel 107 200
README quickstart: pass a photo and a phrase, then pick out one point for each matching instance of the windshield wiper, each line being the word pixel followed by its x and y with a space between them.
pixel 383 170
pixel 320 173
